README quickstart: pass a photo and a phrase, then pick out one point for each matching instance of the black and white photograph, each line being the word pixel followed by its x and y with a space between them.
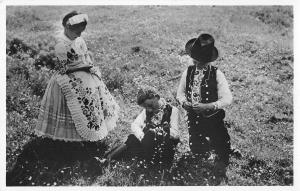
pixel 149 94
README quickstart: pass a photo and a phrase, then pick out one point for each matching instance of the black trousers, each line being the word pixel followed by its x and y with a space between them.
pixel 207 134
pixel 146 148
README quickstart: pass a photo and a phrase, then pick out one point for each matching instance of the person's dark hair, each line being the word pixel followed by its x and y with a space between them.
pixel 144 94
pixel 69 15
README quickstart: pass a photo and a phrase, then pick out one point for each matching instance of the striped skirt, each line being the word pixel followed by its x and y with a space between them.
pixel 76 107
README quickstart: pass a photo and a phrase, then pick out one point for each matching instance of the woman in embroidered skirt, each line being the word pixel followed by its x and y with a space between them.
pixel 76 106
pixel 77 110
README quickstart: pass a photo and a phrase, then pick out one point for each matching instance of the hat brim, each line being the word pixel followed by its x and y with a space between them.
pixel 189 44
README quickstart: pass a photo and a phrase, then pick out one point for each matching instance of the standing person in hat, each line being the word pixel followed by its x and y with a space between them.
pixel 155 133
pixel 203 92
pixel 77 110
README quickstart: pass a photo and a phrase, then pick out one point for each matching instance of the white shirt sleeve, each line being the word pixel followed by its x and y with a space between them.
pixel 138 125
pixel 174 132
pixel 224 93
pixel 181 88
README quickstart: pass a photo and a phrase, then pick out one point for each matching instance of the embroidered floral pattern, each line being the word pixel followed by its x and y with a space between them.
pixel 72 56
pixel 197 84
pixel 60 66
pixel 91 103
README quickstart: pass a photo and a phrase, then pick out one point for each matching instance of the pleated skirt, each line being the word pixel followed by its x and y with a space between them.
pixel 57 118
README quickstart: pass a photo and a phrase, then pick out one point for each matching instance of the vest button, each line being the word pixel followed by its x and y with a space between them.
pixel 206 85
pixel 206 99
pixel 207 92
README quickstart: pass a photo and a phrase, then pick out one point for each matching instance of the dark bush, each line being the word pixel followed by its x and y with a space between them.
pixel 48 60
pixel 17 46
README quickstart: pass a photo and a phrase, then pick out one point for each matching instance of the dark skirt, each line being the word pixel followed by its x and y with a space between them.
pixel 206 134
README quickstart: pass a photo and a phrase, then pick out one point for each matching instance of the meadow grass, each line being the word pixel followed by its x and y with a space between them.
pixel 145 44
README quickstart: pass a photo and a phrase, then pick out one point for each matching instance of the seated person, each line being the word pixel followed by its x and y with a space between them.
pixel 155 131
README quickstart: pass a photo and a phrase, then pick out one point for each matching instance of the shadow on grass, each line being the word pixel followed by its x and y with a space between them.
pixel 46 162
pixel 186 170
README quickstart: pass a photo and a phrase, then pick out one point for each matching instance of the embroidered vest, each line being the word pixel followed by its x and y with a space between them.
pixel 209 86
pixel 165 118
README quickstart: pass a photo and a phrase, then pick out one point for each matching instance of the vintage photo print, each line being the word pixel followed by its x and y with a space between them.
pixel 151 94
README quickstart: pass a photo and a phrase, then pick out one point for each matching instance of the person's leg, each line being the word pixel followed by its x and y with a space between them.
pixel 132 147
pixel 198 140
pixel 221 144
pixel 117 152
pixel 169 152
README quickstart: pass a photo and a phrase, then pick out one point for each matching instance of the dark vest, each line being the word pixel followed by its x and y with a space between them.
pixel 209 86
pixel 209 92
pixel 165 118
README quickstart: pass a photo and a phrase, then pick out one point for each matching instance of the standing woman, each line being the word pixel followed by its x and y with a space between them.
pixel 77 105
pixel 77 110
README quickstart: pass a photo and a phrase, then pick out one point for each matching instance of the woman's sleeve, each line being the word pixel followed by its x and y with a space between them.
pixel 61 51
pixel 174 130
pixel 137 125
pixel 181 88
pixel 224 93
pixel 79 46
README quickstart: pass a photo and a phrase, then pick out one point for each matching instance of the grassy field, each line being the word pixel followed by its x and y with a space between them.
pixel 145 44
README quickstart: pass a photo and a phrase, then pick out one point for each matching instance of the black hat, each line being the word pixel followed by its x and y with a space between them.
pixel 202 48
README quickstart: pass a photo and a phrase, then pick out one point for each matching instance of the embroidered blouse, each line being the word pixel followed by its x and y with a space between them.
pixel 224 93
pixel 139 123
pixel 72 54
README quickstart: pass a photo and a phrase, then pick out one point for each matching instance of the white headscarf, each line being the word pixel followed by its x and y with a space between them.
pixel 77 19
